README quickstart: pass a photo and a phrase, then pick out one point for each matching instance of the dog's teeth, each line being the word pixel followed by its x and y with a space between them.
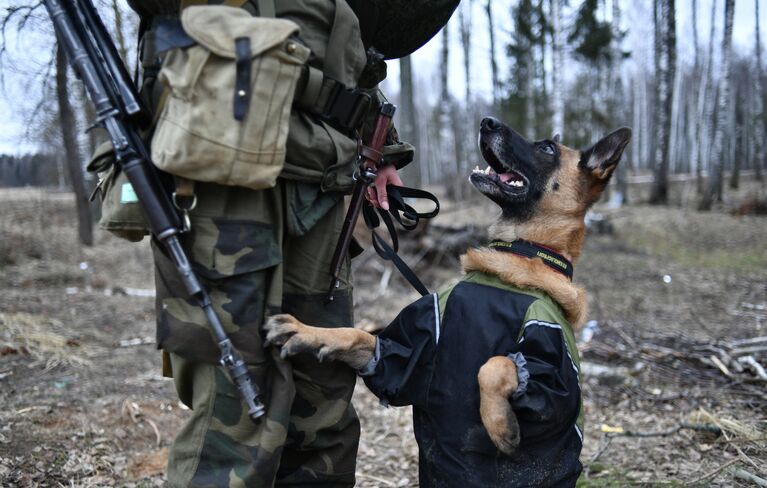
pixel 487 170
pixel 476 169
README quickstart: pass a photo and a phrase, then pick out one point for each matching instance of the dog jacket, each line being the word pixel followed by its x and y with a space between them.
pixel 429 357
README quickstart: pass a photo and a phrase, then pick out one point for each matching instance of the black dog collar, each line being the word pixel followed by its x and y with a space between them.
pixel 553 260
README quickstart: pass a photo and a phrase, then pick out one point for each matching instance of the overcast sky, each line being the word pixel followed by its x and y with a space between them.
pixel 637 19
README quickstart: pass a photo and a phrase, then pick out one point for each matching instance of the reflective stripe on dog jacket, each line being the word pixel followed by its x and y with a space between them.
pixel 429 357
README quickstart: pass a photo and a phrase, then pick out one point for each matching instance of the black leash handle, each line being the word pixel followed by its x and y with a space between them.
pixel 408 218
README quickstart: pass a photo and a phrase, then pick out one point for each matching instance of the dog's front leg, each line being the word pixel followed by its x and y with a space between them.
pixel 351 346
pixel 497 381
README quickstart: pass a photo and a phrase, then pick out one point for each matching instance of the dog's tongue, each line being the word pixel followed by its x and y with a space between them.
pixel 510 176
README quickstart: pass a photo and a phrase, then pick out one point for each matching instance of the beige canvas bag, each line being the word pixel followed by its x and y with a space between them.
pixel 225 119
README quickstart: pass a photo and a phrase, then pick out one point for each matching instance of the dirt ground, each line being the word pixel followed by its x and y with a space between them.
pixel 82 401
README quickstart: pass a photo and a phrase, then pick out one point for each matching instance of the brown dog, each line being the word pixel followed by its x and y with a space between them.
pixel 490 364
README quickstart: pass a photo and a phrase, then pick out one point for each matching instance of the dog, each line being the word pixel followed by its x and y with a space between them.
pixel 490 364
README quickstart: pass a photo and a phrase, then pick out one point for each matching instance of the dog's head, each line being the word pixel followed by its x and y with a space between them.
pixel 544 188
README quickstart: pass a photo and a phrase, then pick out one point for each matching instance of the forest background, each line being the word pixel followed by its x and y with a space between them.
pixel 675 263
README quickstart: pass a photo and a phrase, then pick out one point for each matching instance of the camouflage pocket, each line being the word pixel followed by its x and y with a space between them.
pixel 121 213
pixel 234 260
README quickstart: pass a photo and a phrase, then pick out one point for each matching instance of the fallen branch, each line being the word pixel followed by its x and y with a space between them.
pixel 604 444
pixel 755 366
pixel 710 428
pixel 719 364
pixel 714 472
pixel 745 475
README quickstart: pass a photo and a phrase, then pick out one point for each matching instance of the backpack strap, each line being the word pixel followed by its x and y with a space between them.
pixel 318 91
pixel 266 8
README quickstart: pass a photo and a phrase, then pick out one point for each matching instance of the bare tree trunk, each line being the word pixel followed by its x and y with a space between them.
pixel 706 106
pixel 716 175
pixel 409 120
pixel 441 113
pixel 541 108
pixel 464 17
pixel 736 137
pixel 616 90
pixel 636 101
pixel 665 59
pixel 676 119
pixel 696 121
pixel 462 133
pixel 646 157
pixel 72 152
pixel 493 60
pixel 557 68
pixel 758 115
pixel 444 64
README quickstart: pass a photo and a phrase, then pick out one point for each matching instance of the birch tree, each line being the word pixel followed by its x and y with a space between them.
pixel 462 118
pixel 409 127
pixel 716 175
pixel 616 97
pixel 665 66
pixel 493 59
pixel 707 104
pixel 557 67
pixel 698 73
pixel 758 108
pixel 521 50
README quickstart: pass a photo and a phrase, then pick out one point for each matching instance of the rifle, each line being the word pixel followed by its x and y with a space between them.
pixel 119 110
pixel 369 158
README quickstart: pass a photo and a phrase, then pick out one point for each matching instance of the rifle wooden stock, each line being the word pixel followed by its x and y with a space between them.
pixel 369 158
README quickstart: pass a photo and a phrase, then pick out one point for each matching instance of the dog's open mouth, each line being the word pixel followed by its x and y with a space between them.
pixel 500 180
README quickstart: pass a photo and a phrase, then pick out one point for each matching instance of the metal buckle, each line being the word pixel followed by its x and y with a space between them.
pixel 178 202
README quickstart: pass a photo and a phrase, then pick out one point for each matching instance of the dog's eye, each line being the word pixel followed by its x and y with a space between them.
pixel 547 148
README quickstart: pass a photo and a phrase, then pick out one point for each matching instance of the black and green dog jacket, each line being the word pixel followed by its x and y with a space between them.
pixel 429 357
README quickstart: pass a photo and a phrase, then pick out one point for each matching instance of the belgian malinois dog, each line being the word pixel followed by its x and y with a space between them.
pixel 489 364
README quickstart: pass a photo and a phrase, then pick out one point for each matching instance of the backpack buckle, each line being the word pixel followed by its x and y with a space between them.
pixel 346 107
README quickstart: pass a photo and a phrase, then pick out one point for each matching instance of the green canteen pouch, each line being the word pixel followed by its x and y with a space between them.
pixel 225 119
pixel 121 213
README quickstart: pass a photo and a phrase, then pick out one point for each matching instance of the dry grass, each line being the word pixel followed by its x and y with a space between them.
pixel 43 338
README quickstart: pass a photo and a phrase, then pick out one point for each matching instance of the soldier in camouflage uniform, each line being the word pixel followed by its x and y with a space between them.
pixel 269 251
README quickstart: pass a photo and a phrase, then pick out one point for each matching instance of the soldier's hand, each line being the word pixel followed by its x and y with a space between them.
pixel 376 194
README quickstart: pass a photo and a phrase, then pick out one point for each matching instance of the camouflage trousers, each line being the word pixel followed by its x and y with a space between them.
pixel 258 253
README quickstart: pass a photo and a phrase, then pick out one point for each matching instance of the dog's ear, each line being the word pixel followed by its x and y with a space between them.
pixel 557 138
pixel 601 159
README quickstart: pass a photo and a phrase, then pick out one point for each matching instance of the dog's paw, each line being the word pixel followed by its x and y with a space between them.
pixel 497 381
pixel 501 424
pixel 280 329
pixel 293 337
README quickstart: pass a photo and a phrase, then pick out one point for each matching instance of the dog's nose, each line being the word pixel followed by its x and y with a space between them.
pixel 490 124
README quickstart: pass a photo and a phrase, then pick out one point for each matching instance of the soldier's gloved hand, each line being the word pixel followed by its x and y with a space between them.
pixel 376 194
